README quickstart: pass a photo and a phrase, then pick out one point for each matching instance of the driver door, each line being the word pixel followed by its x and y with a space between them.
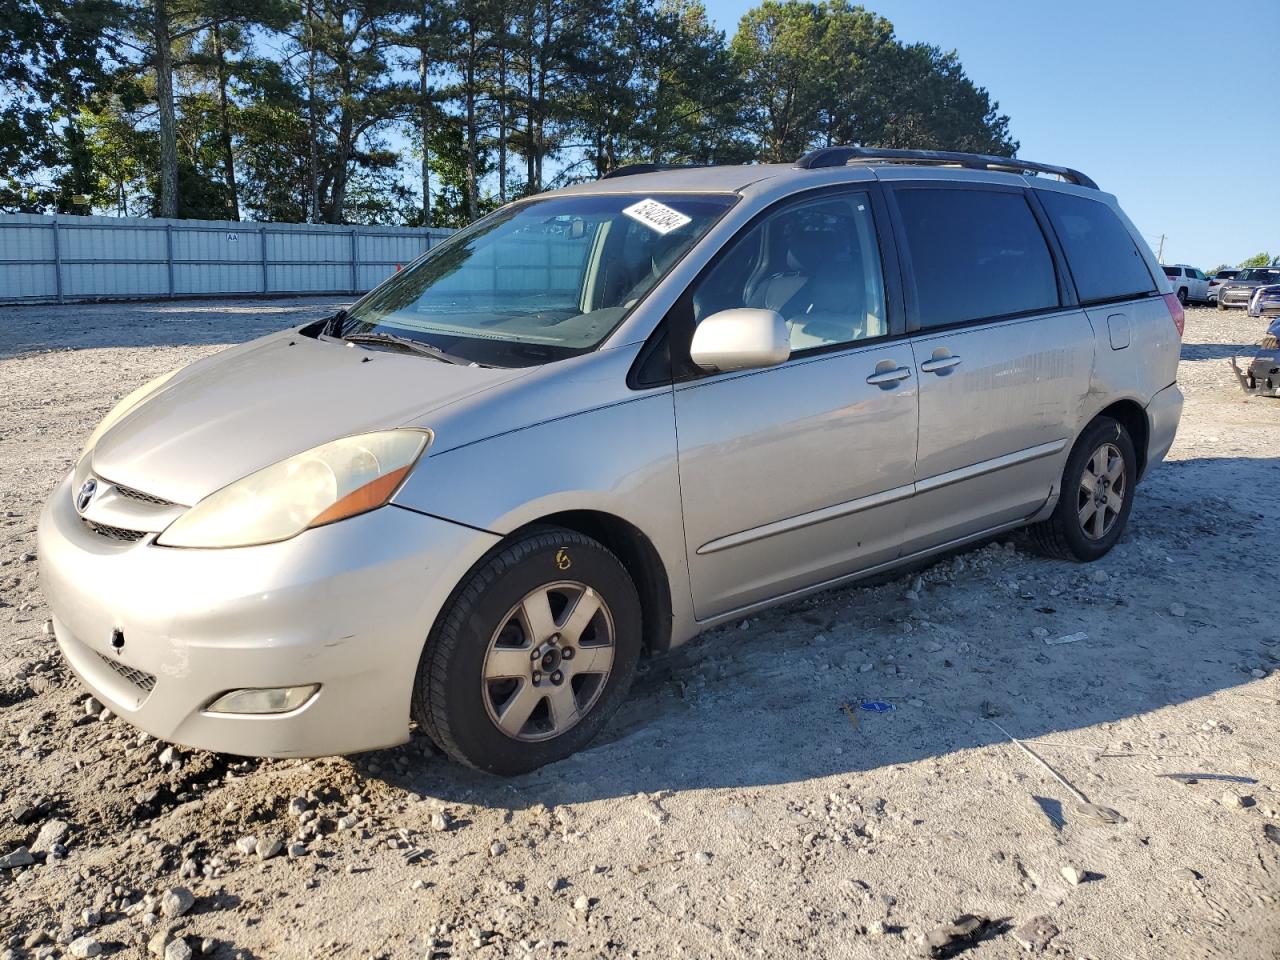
pixel 799 474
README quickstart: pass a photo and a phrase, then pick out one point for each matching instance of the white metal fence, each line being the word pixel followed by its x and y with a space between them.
pixel 87 258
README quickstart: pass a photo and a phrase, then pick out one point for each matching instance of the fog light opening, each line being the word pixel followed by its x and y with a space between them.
pixel 263 701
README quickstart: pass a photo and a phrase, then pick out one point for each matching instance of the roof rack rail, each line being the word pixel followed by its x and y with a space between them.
pixel 630 169
pixel 842 156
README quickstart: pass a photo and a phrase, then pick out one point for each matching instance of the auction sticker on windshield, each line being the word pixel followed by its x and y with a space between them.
pixel 656 216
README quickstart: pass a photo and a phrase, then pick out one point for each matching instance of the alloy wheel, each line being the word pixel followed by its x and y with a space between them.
pixel 548 662
pixel 1103 487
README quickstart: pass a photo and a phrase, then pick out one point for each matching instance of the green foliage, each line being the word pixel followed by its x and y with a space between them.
pixel 1257 260
pixel 436 111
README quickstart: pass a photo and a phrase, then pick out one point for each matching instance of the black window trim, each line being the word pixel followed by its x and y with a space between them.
pixel 676 327
pixel 1066 292
pixel 1102 301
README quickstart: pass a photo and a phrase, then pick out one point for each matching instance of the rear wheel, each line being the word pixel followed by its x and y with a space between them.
pixel 1182 296
pixel 1096 497
pixel 533 653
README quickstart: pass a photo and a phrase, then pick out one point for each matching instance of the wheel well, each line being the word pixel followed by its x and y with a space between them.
pixel 1134 419
pixel 638 554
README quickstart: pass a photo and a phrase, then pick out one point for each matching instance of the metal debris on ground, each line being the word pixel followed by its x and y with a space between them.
pixel 1069 638
pixel 1082 806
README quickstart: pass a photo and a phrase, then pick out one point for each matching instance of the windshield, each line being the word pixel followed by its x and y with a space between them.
pixel 538 281
pixel 1265 276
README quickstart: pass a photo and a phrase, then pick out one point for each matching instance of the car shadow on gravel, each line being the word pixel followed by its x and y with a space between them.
pixel 150 323
pixel 1216 351
pixel 790 697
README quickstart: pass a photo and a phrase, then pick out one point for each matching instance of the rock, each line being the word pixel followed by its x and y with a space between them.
pixel 247 845
pixel 20 857
pixel 866 668
pixel 207 946
pixel 92 707
pixel 177 950
pixel 497 848
pixel 582 904
pixel 1073 875
pixel 1257 674
pixel 176 901
pixel 1099 576
pixel 159 940
pixel 1232 801
pixel 441 821
pixel 167 756
pixel 55 831
pixel 24 814
pixel 298 806
pixel 1186 874
pixel 268 848
pixel 1177 610
pixel 965 928
pixel 1035 934
pixel 85 947
pixel 702 857
pixel 189 869
pixel 931 646
pixel 297 850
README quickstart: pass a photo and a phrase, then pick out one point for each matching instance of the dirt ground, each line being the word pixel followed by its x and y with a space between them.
pixel 749 800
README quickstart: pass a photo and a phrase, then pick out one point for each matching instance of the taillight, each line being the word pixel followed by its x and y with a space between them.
pixel 1176 312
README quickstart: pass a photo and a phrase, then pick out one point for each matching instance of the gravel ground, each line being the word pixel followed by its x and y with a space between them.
pixel 744 803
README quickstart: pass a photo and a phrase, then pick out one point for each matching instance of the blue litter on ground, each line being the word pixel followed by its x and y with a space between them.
pixel 876 706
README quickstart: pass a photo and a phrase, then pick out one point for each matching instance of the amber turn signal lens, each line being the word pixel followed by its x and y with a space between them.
pixel 363 499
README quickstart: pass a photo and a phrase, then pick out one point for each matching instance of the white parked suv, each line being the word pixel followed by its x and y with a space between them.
pixel 1188 283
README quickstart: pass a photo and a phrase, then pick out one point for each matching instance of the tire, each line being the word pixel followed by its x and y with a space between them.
pixel 1066 534
pixel 1182 296
pixel 518 600
pixel 1221 305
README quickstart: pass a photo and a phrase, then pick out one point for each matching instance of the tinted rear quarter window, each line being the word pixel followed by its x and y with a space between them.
pixel 1172 272
pixel 975 254
pixel 1104 260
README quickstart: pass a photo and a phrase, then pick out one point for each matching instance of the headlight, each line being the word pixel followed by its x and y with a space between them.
pixel 330 482
pixel 112 418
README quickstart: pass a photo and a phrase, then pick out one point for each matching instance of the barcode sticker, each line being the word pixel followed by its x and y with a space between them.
pixel 656 216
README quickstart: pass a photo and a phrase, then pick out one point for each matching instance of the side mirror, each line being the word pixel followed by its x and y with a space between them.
pixel 740 339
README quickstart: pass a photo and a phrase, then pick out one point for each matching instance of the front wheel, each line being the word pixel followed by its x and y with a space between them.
pixel 1097 495
pixel 533 653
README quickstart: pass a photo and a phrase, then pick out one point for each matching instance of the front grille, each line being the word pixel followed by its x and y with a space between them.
pixel 115 533
pixel 131 494
pixel 144 681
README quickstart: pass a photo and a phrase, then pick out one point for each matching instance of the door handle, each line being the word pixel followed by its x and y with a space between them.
pixel 940 364
pixel 886 378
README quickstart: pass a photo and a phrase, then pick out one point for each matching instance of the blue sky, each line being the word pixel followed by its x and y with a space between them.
pixel 1171 106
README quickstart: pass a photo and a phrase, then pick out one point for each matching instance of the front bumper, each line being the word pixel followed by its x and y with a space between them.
pixel 347 606
pixel 1235 298
pixel 1258 375
pixel 1264 308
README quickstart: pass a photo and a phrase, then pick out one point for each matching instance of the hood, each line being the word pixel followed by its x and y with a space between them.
pixel 231 414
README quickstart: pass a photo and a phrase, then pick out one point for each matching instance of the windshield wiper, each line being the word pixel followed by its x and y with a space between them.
pixel 407 343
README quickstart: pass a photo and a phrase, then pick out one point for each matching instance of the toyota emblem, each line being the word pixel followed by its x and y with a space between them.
pixel 85 496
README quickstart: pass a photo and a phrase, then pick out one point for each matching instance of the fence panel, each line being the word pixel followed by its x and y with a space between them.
pixel 104 258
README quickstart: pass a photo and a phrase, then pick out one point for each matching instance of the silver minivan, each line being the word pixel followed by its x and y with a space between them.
pixel 597 422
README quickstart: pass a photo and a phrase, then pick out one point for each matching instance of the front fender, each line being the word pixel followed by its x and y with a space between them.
pixel 619 459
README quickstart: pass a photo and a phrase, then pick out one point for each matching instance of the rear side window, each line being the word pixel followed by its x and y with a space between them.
pixel 1172 272
pixel 1103 258
pixel 975 254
